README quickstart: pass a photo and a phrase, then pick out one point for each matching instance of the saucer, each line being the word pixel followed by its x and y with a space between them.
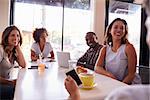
pixel 88 87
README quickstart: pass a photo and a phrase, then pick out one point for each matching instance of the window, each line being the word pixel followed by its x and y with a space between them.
pixel 132 14
pixel 67 21
pixel 76 23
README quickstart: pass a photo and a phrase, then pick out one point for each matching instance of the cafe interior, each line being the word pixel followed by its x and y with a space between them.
pixel 67 22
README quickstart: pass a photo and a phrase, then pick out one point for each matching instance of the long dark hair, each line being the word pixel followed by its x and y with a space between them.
pixel 4 41
pixel 108 36
pixel 6 33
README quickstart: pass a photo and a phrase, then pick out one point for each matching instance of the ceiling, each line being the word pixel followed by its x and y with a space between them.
pixel 123 7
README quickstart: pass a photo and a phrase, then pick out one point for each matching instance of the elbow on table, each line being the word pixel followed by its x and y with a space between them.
pixel 23 65
pixel 96 69
pixel 129 78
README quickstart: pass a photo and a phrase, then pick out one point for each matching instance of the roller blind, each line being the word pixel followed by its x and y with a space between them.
pixel 78 4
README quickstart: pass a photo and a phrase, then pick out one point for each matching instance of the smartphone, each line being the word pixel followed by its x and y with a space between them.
pixel 36 67
pixel 75 76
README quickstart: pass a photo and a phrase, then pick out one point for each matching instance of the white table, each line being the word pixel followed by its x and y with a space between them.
pixel 32 85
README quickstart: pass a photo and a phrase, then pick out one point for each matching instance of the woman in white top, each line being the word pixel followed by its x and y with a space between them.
pixel 118 58
pixel 10 52
pixel 41 46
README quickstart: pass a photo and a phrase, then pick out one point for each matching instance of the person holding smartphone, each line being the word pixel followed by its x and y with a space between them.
pixel 10 52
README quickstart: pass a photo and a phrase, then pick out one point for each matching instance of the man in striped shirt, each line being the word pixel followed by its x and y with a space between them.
pixel 89 59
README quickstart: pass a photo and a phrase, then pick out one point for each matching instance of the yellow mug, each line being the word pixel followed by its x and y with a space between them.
pixel 87 79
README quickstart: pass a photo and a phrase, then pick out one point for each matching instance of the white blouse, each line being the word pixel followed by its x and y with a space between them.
pixel 117 62
pixel 5 65
pixel 46 51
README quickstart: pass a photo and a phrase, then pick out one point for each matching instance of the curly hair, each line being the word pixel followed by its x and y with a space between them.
pixel 108 36
pixel 37 34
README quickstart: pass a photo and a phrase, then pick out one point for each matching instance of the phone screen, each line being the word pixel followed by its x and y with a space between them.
pixel 75 76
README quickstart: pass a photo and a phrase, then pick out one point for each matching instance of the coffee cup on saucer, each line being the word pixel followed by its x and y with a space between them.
pixel 88 80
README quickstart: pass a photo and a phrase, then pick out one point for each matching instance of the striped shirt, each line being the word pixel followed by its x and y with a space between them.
pixel 89 59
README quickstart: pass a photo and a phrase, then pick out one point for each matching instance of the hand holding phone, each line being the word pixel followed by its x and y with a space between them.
pixel 75 76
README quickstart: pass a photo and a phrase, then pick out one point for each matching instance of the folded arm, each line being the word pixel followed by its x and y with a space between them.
pixel 82 60
pixel 9 82
pixel 52 55
pixel 34 57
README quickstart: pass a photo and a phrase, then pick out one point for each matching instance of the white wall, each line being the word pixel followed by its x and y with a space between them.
pixel 4 15
pixel 99 19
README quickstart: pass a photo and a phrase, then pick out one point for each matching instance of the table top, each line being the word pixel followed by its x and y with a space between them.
pixel 49 85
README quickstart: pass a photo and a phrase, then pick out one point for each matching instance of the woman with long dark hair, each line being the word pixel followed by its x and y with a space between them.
pixel 10 52
pixel 118 58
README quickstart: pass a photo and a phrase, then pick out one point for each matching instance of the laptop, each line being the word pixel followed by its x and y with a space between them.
pixel 62 59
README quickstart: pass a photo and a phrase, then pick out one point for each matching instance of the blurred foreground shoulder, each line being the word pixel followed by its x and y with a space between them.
pixel 133 92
